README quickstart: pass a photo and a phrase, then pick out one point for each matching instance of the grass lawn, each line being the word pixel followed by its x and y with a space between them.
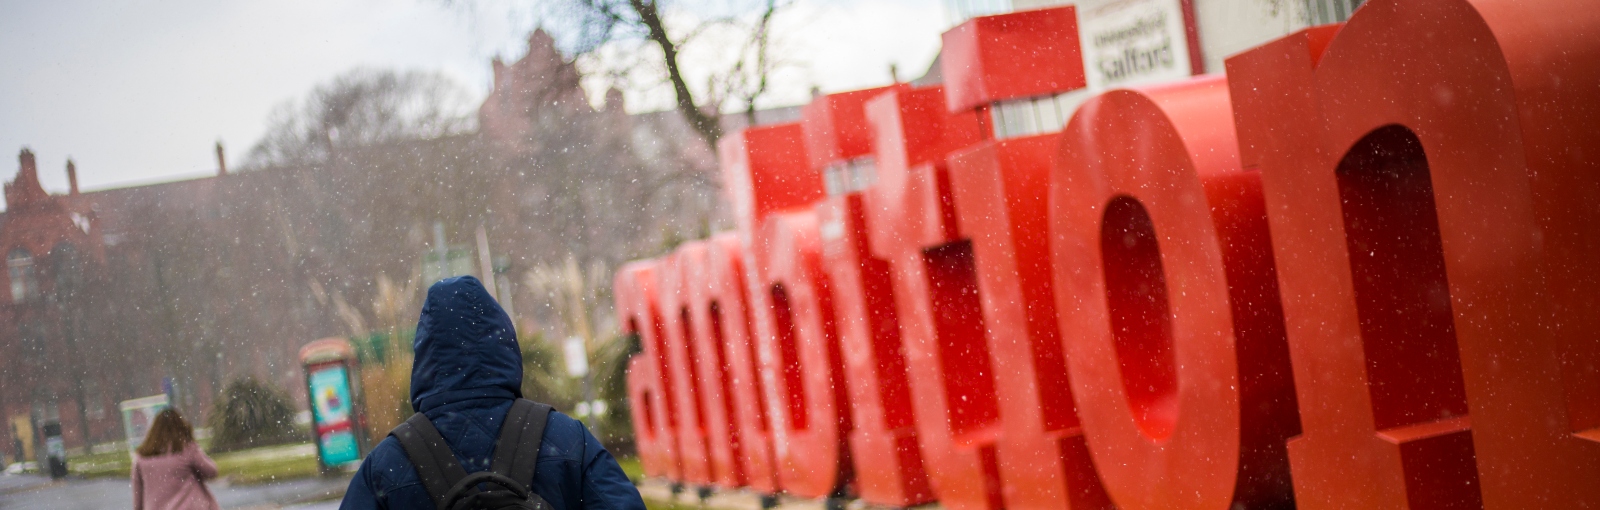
pixel 634 470
pixel 100 464
pixel 261 465
pixel 256 465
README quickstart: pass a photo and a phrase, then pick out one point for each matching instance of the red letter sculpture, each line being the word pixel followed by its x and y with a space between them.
pixel 791 306
pixel 1429 205
pixel 634 291
pixel 952 383
pixel 998 191
pixel 696 350
pixel 747 388
pixel 1169 301
pixel 883 442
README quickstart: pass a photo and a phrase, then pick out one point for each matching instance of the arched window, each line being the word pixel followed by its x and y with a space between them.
pixel 19 266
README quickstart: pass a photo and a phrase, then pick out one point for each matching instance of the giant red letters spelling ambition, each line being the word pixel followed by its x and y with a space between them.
pixel 1429 175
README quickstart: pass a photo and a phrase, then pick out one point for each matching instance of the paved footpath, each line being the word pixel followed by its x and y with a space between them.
pixel 27 492
pixel 658 493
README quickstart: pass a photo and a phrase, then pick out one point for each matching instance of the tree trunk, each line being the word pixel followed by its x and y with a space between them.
pixel 705 124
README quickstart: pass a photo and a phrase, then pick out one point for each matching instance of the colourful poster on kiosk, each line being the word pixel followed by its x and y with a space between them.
pixel 137 415
pixel 332 415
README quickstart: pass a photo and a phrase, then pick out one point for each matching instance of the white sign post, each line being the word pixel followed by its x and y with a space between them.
pixel 577 356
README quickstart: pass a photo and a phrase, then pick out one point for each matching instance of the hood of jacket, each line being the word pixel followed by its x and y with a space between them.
pixel 466 347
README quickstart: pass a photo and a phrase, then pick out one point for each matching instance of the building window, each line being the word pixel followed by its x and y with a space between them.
pixel 19 266
pixel 1322 12
pixel 1017 118
pixel 850 176
pixel 959 11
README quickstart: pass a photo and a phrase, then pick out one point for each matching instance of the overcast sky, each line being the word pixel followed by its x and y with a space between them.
pixel 137 91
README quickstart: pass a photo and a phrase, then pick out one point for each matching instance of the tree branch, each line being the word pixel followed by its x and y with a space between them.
pixel 706 124
pixel 759 38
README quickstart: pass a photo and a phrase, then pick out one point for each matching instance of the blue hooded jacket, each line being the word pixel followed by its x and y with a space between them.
pixel 466 373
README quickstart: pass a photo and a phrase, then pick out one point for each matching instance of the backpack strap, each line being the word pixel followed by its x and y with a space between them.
pixel 437 467
pixel 516 454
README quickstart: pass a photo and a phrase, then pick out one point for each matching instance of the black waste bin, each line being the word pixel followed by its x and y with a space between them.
pixel 55 450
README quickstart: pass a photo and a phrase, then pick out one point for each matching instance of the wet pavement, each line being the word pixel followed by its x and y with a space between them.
pixel 14 483
pixel 29 492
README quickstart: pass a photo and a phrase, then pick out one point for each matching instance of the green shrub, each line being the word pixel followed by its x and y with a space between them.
pixel 250 413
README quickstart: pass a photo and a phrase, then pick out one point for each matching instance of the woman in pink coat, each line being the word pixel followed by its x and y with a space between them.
pixel 171 471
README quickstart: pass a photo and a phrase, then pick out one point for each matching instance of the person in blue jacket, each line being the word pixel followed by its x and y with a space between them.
pixel 466 373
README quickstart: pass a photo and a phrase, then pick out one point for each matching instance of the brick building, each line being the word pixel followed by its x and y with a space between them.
pixel 53 252
pixel 96 302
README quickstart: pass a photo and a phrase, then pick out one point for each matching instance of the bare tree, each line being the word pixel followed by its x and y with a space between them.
pixel 750 76
pixel 363 107
pixel 593 24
